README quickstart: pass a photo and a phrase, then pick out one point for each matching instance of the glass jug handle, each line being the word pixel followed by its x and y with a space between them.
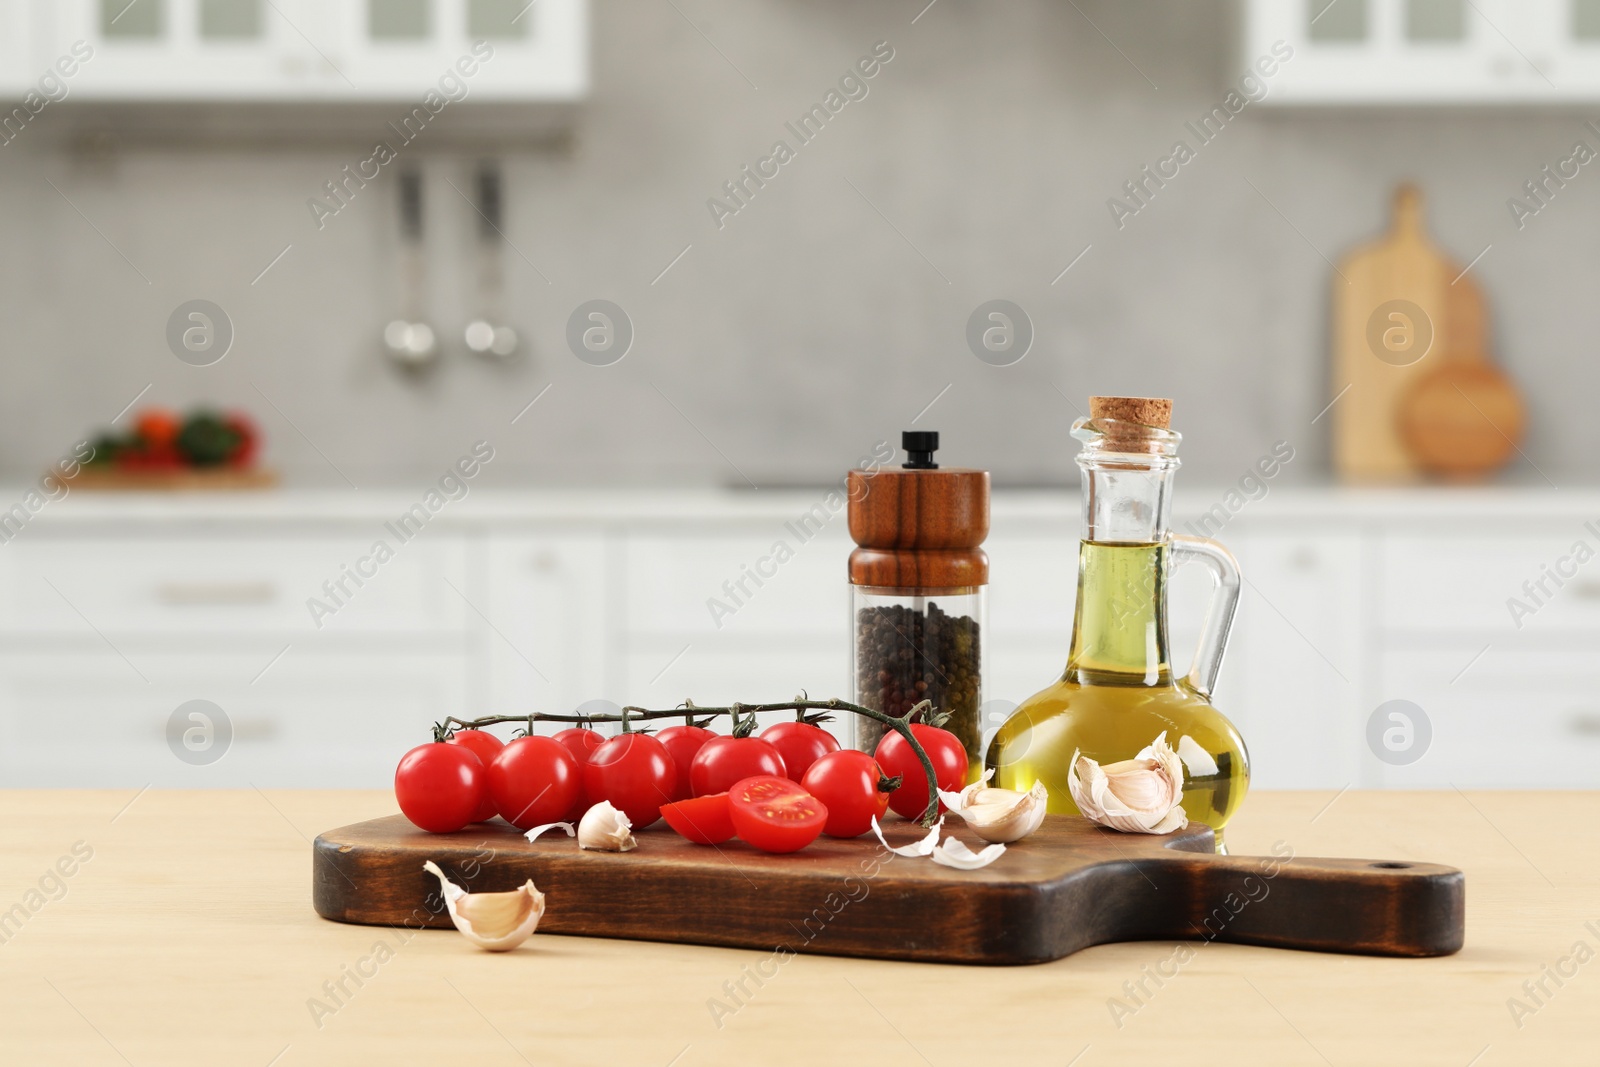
pixel 1219 614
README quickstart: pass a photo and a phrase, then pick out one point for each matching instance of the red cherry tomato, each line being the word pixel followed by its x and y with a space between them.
pixel 847 782
pixel 945 752
pixel 774 814
pixel 684 743
pixel 533 781
pixel 723 761
pixel 486 747
pixel 703 820
pixel 439 786
pixel 580 741
pixel 635 773
pixel 800 744
pixel 157 428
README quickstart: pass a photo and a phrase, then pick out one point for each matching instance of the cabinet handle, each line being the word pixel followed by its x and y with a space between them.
pixel 210 594
pixel 1588 590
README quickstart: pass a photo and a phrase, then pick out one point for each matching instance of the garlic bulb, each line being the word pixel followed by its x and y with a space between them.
pixel 1001 815
pixel 1140 795
pixel 605 829
pixel 498 922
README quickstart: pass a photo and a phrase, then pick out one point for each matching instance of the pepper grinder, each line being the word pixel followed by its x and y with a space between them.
pixel 919 592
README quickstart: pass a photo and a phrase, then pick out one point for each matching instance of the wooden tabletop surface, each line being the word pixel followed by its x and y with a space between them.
pixel 182 933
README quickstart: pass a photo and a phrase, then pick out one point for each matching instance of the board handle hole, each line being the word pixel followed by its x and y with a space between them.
pixel 1392 866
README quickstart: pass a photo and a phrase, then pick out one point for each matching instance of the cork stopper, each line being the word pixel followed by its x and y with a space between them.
pixel 1150 411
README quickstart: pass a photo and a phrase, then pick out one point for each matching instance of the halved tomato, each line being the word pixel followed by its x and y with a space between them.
pixel 703 820
pixel 775 814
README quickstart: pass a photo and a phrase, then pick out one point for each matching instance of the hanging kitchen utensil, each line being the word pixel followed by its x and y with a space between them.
pixel 409 340
pixel 488 335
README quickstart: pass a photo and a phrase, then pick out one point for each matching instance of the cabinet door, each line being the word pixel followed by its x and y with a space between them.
pixel 312 719
pixel 191 49
pixel 452 50
pixel 1418 51
pixel 17 72
pixel 1299 659
pixel 545 623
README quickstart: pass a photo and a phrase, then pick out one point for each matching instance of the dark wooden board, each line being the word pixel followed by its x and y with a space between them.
pixel 1069 886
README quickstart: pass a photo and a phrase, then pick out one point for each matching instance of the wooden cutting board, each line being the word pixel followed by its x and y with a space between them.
pixel 1069 886
pixel 1400 307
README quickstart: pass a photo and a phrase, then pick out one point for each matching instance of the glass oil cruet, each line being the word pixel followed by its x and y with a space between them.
pixel 1118 691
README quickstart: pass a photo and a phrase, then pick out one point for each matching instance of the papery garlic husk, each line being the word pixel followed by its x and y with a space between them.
pixel 999 815
pixel 498 922
pixel 605 829
pixel 1143 795
pixel 955 853
pixel 923 846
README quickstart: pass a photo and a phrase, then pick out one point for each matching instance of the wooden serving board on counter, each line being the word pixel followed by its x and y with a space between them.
pixel 1068 886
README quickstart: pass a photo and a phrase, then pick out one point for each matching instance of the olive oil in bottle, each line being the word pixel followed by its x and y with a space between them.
pixel 1118 692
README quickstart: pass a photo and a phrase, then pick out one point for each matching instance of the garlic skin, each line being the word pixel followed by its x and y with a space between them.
pixel 605 829
pixel 498 922
pixel 565 827
pixel 1003 816
pixel 1143 795
pixel 923 846
pixel 955 853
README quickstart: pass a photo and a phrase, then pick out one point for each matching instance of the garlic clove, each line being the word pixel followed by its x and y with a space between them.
pixel 955 853
pixel 1000 815
pixel 498 922
pixel 605 829
pixel 924 846
pixel 1140 795
pixel 533 834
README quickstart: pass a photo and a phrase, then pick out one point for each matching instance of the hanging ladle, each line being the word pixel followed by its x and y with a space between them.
pixel 409 340
pixel 488 335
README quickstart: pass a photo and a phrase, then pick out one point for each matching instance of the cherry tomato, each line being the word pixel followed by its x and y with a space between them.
pixel 533 781
pixel 684 742
pixel 848 783
pixel 157 428
pixel 945 752
pixel 635 773
pixel 439 786
pixel 580 741
pixel 486 747
pixel 723 761
pixel 800 744
pixel 703 820
pixel 774 814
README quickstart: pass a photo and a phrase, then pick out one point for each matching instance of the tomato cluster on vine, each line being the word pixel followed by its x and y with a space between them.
pixel 776 792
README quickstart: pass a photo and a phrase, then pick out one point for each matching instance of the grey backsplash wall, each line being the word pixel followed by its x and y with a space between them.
pixel 785 343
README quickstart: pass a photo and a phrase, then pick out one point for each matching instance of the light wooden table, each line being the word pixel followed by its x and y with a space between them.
pixel 188 938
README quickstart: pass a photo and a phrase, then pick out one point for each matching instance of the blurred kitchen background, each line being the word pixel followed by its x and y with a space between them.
pixel 754 348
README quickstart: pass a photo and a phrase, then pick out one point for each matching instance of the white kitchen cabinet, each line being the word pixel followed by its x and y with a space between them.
pixel 17 75
pixel 309 50
pixel 317 718
pixel 211 587
pixel 1518 718
pixel 546 610
pixel 1426 51
pixel 1297 663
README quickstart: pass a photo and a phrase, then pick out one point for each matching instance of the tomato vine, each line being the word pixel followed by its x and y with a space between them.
pixel 737 711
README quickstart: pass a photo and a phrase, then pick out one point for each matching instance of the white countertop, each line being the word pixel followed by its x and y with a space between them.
pixel 690 506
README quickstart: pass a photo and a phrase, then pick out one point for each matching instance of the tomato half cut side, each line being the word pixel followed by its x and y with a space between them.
pixel 775 814
pixel 703 820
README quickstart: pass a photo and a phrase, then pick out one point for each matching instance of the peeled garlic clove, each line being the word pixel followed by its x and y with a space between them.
pixel 955 853
pixel 605 829
pixel 1002 815
pixel 1140 795
pixel 498 922
pixel 921 847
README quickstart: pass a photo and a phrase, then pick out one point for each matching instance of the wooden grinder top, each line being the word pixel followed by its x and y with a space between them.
pixel 919 526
